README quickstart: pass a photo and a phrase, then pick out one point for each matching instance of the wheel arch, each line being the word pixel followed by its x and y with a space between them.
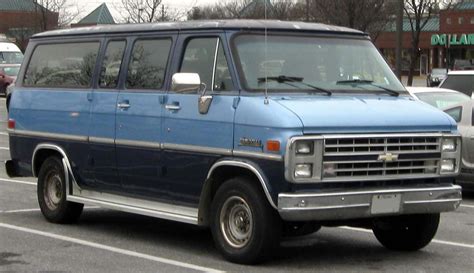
pixel 220 172
pixel 45 150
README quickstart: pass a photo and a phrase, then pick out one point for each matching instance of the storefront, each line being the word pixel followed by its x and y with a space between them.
pixel 446 40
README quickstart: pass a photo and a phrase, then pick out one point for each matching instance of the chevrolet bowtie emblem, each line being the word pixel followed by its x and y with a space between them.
pixel 387 157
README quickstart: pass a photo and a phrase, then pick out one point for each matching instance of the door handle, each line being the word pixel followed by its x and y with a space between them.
pixel 123 105
pixel 173 107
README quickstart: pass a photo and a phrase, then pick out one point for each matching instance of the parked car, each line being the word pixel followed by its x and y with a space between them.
pixel 8 74
pixel 438 97
pixel 462 64
pixel 463 114
pixel 436 76
pixel 256 129
pixel 462 81
pixel 10 53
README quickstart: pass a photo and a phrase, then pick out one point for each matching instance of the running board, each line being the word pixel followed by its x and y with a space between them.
pixel 133 205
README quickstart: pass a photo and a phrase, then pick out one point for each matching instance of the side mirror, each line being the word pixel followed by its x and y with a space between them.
pixel 185 82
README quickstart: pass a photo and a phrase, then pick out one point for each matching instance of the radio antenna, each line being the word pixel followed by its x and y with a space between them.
pixel 265 50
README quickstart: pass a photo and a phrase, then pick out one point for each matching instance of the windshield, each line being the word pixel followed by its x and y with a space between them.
pixel 438 71
pixel 11 71
pixel 11 57
pixel 462 83
pixel 334 64
pixel 442 100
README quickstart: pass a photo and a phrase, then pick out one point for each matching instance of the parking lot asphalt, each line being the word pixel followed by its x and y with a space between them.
pixel 110 241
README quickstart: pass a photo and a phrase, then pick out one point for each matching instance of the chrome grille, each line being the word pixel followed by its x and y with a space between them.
pixel 380 157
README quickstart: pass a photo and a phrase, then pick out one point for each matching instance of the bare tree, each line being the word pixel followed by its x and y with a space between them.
pixel 148 11
pixel 366 15
pixel 55 14
pixel 419 12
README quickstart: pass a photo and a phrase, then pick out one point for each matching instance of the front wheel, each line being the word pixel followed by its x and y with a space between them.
pixel 52 193
pixel 406 232
pixel 245 227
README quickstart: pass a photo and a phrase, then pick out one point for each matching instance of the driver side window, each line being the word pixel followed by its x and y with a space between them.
pixel 206 57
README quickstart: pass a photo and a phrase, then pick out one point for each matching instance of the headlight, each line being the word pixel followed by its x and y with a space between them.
pixel 303 170
pixel 447 165
pixel 448 145
pixel 304 148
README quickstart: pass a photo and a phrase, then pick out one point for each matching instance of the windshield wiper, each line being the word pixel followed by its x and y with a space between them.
pixel 369 82
pixel 286 79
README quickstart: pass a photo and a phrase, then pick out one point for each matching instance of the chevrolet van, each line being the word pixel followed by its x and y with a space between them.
pixel 256 129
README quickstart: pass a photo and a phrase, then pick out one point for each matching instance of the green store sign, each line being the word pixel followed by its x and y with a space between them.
pixel 452 39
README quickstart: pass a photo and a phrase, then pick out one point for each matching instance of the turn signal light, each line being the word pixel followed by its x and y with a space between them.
pixel 273 145
pixel 11 123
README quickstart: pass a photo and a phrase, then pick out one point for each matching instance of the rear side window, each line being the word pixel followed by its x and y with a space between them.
pixel 147 66
pixel 62 65
pixel 111 64
pixel 461 83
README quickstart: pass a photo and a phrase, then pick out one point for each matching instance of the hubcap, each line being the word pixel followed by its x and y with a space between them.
pixel 53 190
pixel 236 222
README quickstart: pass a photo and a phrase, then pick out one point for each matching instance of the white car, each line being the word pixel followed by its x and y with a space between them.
pixel 440 98
pixel 462 81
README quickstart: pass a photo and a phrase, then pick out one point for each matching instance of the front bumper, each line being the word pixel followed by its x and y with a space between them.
pixel 355 204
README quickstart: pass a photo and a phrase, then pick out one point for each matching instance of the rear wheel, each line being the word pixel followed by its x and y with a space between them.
pixel 246 229
pixel 52 193
pixel 406 232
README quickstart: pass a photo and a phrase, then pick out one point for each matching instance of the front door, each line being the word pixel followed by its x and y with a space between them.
pixel 139 118
pixel 194 141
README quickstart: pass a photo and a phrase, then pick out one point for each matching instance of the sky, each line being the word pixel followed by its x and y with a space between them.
pixel 87 6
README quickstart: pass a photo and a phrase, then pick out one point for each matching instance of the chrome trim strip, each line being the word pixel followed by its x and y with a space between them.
pixel 258 155
pixel 102 140
pixel 138 143
pixel 397 190
pixel 249 167
pixel 138 206
pixel 433 201
pixel 65 160
pixel 58 136
pixel 198 149
pixel 364 205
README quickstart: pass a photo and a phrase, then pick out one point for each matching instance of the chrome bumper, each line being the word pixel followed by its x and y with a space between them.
pixel 333 205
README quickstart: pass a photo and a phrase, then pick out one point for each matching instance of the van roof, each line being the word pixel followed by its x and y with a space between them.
pixel 201 25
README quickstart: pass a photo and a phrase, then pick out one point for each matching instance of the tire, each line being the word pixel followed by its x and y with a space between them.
pixel 245 228
pixel 406 232
pixel 51 193
pixel 295 229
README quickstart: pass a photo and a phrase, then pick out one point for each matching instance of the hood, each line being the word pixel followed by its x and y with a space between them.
pixel 363 114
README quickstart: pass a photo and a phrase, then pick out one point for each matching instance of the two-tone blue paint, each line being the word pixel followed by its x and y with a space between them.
pixel 105 162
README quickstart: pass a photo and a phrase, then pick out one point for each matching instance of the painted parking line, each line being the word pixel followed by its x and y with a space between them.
pixel 4 133
pixel 467 206
pixel 5 148
pixel 109 248
pixel 442 242
pixel 18 181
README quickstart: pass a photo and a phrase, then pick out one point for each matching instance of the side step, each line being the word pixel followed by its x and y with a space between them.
pixel 133 205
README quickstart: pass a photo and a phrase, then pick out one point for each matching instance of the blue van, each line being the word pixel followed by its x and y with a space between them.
pixel 256 129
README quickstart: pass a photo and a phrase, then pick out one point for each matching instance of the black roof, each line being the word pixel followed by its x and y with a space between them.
pixel 201 25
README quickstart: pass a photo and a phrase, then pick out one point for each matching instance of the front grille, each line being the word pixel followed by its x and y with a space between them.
pixel 380 157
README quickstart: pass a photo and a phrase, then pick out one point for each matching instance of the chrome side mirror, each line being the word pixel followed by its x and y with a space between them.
pixel 185 83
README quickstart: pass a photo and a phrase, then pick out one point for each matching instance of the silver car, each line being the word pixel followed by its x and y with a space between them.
pixel 463 113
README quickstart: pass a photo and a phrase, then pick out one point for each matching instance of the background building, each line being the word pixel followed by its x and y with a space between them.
pixel 100 16
pixel 19 19
pixel 444 39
